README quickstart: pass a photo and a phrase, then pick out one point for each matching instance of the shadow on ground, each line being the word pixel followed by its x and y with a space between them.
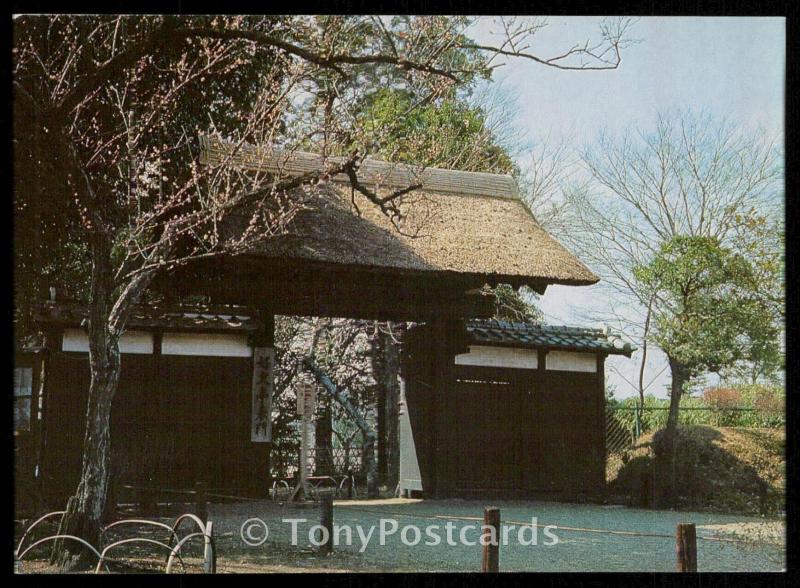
pixel 733 470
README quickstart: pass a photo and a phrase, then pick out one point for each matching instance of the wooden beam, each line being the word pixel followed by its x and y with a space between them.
pixel 322 290
pixel 601 415
pixel 259 441
pixel 447 337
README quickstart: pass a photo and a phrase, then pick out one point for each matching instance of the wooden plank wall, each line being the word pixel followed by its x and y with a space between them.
pixel 175 420
pixel 508 431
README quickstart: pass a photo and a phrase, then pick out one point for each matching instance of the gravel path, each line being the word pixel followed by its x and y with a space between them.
pixel 590 537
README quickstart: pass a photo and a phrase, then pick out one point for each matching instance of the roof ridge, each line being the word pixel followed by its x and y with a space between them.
pixel 543 326
pixel 372 170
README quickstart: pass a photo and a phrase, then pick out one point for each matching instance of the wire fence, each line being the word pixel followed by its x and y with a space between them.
pixel 336 462
pixel 625 424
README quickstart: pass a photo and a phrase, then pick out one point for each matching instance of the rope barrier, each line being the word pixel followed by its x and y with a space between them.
pixel 192 493
pixel 464 518
pixel 559 527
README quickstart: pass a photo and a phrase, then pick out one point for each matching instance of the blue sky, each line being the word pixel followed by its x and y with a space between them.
pixel 730 67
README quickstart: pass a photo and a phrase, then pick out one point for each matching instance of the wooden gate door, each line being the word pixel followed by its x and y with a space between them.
pixel 564 413
pixel 485 435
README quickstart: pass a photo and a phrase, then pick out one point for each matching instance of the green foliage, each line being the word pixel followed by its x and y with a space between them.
pixel 384 100
pixel 511 306
pixel 710 313
pixel 447 133
pixel 763 397
pixel 761 239
pixel 763 407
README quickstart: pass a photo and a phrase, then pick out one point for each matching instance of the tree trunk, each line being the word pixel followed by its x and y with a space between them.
pixel 669 450
pixel 680 375
pixel 385 369
pixel 84 512
pixel 392 387
pixel 640 410
pixel 377 360
pixel 370 466
pixel 380 412
pixel 323 437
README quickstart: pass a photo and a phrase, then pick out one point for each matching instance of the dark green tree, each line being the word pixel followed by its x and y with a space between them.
pixel 448 133
pixel 709 314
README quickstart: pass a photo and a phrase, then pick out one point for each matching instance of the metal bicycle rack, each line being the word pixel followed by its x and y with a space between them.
pixel 205 531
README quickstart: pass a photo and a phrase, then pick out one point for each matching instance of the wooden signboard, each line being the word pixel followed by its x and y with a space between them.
pixel 306 392
pixel 306 398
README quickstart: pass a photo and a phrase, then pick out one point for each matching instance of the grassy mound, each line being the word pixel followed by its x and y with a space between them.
pixel 724 469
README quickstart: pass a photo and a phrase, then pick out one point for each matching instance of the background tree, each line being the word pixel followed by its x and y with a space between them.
pixel 510 305
pixel 544 179
pixel 120 102
pixel 708 314
pixel 760 238
pixel 449 133
pixel 691 175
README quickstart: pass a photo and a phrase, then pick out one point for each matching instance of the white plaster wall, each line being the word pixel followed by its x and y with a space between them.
pixel 130 342
pixel 213 344
pixel 499 357
pixel 571 361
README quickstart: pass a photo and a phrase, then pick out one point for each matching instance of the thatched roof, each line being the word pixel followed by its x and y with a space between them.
pixel 459 222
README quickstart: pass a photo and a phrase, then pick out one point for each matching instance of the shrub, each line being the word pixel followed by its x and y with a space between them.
pixel 723 403
pixel 769 401
pixel 722 398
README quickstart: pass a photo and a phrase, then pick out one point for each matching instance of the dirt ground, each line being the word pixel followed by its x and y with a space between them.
pixel 590 538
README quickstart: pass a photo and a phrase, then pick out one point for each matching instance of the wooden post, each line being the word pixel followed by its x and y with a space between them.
pixel 647 500
pixel 441 464
pixel 202 503
pixel 262 392
pixel 326 520
pixel 686 547
pixel 763 497
pixel 600 474
pixel 306 400
pixel 491 552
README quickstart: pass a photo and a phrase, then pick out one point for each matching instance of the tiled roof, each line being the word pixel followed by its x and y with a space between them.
pixel 237 318
pixel 184 318
pixel 494 332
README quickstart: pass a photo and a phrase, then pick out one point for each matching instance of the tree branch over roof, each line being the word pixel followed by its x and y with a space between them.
pixel 602 55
